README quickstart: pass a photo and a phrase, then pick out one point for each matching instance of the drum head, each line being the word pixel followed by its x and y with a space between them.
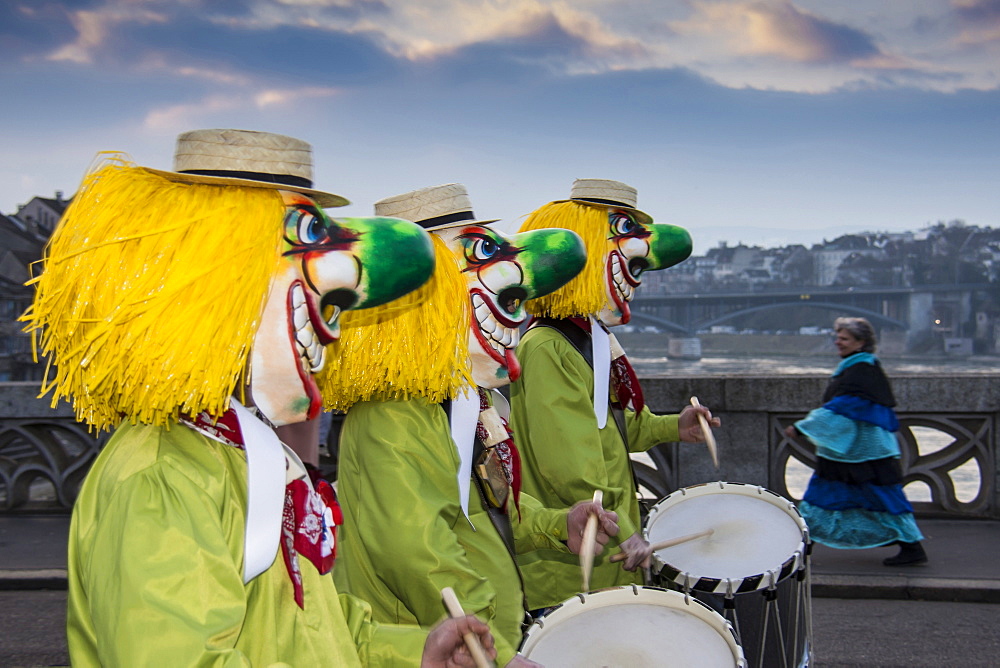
pixel 632 627
pixel 759 537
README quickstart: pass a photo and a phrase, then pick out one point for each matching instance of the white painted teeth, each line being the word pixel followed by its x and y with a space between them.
pixel 623 287
pixel 499 336
pixel 309 349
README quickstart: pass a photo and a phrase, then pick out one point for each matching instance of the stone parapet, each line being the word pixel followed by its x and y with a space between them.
pixel 948 439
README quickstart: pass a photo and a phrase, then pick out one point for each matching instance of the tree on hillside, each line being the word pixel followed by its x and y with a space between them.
pixel 865 269
pixel 798 268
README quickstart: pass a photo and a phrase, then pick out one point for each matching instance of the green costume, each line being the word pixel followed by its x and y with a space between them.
pixel 405 537
pixel 158 534
pixel 565 457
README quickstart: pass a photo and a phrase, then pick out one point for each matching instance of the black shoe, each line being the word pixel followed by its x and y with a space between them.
pixel 910 554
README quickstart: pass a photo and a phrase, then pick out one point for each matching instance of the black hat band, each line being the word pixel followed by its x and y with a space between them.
pixel 278 179
pixel 445 219
pixel 610 202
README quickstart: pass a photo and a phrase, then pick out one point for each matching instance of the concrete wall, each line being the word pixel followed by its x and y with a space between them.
pixel 20 400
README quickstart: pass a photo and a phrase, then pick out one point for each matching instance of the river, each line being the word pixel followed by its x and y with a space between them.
pixel 653 363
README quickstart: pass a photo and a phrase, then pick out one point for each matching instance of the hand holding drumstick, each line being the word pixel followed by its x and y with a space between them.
pixel 621 556
pixel 576 523
pixel 471 639
pixel 694 425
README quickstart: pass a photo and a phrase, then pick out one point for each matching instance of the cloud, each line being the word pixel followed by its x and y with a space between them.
pixel 359 44
pixel 274 97
pixel 180 116
pixel 979 21
pixel 418 36
pixel 780 30
pixel 28 31
pixel 536 51
pixel 94 27
pixel 975 11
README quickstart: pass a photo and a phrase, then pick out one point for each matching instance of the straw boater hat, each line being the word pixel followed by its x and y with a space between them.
pixel 247 158
pixel 602 192
pixel 434 208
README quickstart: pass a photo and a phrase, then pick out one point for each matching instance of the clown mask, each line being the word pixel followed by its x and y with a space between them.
pixel 635 246
pixel 327 266
pixel 502 272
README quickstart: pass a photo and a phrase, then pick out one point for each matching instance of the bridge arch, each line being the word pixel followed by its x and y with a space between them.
pixel 661 322
pixel 873 316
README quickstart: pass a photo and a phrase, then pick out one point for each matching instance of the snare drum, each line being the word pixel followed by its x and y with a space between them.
pixel 760 544
pixel 632 627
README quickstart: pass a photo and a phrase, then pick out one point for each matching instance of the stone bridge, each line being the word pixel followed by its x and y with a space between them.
pixel 913 310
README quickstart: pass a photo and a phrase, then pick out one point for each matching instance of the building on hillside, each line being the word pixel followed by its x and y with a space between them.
pixel 828 257
pixel 22 240
pixel 40 215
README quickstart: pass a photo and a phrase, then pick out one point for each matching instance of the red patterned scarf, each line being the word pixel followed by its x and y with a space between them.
pixel 311 512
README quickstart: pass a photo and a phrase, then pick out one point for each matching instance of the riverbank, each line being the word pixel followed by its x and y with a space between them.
pixel 738 344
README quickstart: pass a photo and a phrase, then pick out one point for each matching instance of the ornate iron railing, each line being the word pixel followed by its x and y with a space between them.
pixel 941 456
pixel 43 462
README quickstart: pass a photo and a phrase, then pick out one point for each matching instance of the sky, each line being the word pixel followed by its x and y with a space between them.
pixel 763 122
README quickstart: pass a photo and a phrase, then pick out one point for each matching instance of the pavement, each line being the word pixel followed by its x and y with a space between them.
pixel 963 564
pixel 864 613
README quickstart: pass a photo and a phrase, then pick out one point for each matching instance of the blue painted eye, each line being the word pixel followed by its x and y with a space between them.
pixel 309 228
pixel 484 248
pixel 623 224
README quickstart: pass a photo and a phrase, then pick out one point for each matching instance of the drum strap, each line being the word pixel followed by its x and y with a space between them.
pixel 499 519
pixel 497 516
pixel 580 340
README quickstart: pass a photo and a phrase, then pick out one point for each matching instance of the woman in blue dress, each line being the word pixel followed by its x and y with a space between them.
pixel 855 498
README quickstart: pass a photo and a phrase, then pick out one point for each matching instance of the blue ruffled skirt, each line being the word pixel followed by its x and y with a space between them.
pixel 857 515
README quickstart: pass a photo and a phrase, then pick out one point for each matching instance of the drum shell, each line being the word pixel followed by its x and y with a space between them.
pixel 775 591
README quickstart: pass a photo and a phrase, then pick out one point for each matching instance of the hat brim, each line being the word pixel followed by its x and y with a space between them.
pixel 642 215
pixel 324 199
pixel 460 223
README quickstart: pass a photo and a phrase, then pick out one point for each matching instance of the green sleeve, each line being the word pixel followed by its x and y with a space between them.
pixel 537 527
pixel 381 645
pixel 555 398
pixel 160 556
pixel 407 496
pixel 646 430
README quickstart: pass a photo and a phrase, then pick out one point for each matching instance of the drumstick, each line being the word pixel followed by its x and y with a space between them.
pixel 707 431
pixel 471 641
pixel 587 549
pixel 669 543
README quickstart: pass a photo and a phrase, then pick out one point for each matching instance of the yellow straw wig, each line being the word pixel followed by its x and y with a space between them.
pixel 586 293
pixel 151 294
pixel 414 346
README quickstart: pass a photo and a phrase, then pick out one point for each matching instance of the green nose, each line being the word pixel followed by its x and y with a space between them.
pixel 395 257
pixel 550 258
pixel 668 245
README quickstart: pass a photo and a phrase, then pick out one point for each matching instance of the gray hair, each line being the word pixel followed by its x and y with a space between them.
pixel 860 329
